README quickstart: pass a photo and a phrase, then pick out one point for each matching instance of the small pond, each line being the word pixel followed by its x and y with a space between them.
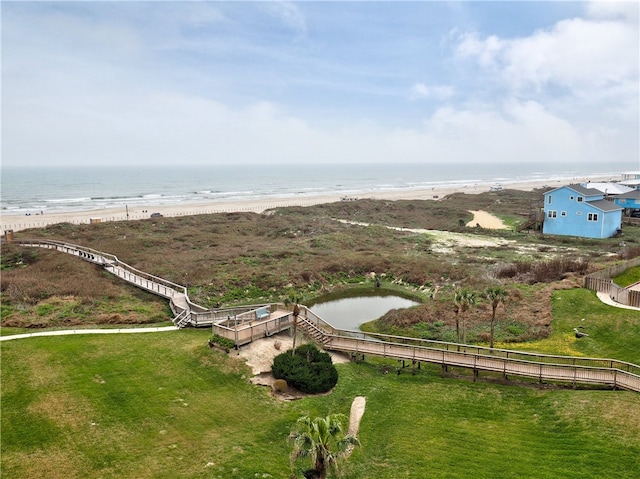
pixel 351 312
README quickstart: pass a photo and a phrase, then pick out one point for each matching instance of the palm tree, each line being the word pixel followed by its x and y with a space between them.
pixel 463 299
pixel 321 440
pixel 495 295
pixel 293 298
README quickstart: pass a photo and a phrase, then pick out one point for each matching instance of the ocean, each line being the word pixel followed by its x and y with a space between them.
pixel 64 190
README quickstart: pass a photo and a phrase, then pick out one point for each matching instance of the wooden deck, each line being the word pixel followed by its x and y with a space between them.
pixel 248 323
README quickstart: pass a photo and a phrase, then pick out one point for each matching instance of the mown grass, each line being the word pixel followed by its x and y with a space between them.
pixel 164 405
pixel 628 277
pixel 613 332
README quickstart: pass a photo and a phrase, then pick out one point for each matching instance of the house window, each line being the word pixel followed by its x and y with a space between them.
pixel 549 199
pixel 580 199
pixel 563 213
pixel 571 197
pixel 592 217
pixel 552 214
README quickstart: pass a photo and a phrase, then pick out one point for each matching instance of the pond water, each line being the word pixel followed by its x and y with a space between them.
pixel 350 313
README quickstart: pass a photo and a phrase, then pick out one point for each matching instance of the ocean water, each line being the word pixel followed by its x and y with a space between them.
pixel 57 190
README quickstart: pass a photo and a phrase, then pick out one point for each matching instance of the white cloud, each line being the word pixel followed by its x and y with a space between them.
pixel 576 54
pixel 190 87
pixel 438 92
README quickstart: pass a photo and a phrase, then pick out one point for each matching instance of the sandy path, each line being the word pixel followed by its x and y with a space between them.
pixel 486 220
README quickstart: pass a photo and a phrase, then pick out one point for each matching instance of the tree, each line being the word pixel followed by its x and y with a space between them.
pixel 495 295
pixel 463 299
pixel 322 441
pixel 293 298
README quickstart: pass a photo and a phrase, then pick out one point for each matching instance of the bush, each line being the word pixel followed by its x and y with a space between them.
pixel 221 341
pixel 280 385
pixel 309 370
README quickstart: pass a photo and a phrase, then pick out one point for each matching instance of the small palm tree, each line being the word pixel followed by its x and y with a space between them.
pixel 322 441
pixel 464 299
pixel 293 298
pixel 495 295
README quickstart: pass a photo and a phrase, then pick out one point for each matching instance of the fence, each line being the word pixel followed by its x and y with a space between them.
pixel 601 282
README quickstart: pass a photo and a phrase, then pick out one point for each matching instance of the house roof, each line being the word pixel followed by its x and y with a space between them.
pixel 609 188
pixel 631 183
pixel 605 205
pixel 633 194
pixel 579 189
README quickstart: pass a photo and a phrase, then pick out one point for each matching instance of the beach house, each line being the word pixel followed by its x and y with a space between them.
pixel 629 200
pixel 576 210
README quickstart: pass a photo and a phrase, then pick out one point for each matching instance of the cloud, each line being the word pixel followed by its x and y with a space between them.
pixel 228 83
pixel 578 54
pixel 438 92
pixel 290 15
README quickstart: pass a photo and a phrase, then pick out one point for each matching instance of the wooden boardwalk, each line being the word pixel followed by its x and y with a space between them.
pixel 247 323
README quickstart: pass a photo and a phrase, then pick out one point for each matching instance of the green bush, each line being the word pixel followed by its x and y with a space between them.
pixel 309 370
pixel 222 342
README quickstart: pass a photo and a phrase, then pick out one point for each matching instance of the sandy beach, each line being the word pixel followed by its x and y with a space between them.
pixel 18 223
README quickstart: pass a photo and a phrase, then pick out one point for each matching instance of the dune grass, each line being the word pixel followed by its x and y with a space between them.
pixel 164 405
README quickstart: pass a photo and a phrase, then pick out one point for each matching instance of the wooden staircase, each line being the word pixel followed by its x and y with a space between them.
pixel 319 335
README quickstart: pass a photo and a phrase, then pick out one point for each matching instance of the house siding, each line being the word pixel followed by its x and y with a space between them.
pixel 567 216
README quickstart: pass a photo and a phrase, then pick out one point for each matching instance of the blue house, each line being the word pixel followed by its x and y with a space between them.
pixel 629 200
pixel 575 210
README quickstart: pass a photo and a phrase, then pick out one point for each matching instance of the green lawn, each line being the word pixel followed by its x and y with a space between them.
pixel 629 277
pixel 613 332
pixel 163 405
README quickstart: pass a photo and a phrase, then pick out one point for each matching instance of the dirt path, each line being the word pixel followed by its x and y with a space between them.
pixel 486 220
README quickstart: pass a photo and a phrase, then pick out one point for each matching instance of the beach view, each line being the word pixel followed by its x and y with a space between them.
pixel 320 239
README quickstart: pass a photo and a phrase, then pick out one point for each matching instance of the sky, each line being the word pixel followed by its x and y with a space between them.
pixel 199 83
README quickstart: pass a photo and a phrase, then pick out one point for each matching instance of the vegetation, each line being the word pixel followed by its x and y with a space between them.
pixel 230 258
pixel 629 277
pixel 321 440
pixel 221 341
pixel 495 295
pixel 308 370
pixel 164 405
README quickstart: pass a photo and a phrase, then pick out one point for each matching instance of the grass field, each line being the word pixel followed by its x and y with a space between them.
pixel 163 405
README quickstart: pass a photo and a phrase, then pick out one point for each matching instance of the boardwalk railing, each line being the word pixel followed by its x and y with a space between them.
pixel 243 325
pixel 544 367
pixel 176 293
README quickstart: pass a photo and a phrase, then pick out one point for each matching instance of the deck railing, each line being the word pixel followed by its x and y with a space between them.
pixel 575 370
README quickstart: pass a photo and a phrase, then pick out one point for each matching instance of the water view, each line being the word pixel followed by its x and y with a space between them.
pixel 350 313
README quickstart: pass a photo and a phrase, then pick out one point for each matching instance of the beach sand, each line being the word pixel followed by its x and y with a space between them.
pixel 18 223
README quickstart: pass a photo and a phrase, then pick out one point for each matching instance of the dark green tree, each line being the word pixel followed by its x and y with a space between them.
pixel 322 440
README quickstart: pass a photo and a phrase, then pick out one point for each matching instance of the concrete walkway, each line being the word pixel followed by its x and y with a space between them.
pixel 66 332
pixel 604 297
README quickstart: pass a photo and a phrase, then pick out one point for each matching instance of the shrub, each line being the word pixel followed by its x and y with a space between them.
pixel 280 385
pixel 221 341
pixel 309 370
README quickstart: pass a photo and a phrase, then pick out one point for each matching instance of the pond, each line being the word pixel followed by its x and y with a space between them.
pixel 351 312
